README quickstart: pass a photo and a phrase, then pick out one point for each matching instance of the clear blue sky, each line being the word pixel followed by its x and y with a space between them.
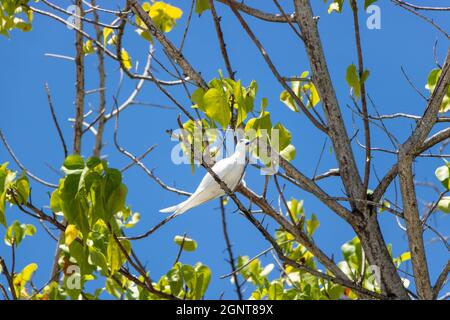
pixel 403 40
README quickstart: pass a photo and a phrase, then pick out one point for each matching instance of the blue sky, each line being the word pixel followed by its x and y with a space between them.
pixel 403 41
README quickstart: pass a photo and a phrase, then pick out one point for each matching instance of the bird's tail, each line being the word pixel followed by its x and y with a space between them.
pixel 169 209
pixel 176 208
pixel 193 201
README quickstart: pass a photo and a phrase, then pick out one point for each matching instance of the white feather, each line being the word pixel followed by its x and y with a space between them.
pixel 230 170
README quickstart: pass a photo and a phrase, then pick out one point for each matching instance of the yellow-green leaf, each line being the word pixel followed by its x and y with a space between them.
pixel 353 80
pixel 126 60
pixel 106 33
pixel 71 234
pixel 187 243
pixel 164 15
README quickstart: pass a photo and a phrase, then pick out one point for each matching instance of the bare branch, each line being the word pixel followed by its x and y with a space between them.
pixel 442 279
pixel 363 99
pixel 258 13
pixel 407 7
pixel 79 100
pixel 274 70
pixel 102 84
pixel 322 81
pixel 21 166
pixel 425 8
pixel 170 48
pixel 229 250
pixel 55 120
pixel 9 278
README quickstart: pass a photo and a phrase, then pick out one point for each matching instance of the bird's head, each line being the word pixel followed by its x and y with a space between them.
pixel 244 144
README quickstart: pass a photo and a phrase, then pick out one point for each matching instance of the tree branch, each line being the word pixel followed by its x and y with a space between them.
pixel 169 47
pixel 102 84
pixel 409 199
pixel 322 80
pixel 230 250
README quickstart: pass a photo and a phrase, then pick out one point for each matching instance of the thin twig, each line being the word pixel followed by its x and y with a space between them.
pixel 9 278
pixel 230 250
pixel 361 72
pixel 21 166
pixel 55 120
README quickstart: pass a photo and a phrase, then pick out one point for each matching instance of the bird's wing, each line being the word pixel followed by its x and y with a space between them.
pixel 222 168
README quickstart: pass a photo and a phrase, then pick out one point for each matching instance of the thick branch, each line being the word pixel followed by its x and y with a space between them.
pixel 441 280
pixel 322 80
pixel 102 84
pixel 169 47
pixel 258 13
pixel 79 87
pixel 405 171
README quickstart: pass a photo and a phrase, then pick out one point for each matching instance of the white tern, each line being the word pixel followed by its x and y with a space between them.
pixel 230 170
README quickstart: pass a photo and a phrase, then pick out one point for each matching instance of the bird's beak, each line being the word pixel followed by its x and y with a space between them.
pixel 251 141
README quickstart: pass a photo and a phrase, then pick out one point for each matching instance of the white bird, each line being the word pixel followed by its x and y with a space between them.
pixel 230 170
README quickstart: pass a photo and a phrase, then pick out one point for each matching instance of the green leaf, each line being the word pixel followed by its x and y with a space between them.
pixel 249 97
pixel 21 189
pixel 275 291
pixel 164 15
pixel 106 34
pixel 175 279
pixel 16 232
pixel 116 201
pixel 444 204
pixel 367 3
pixel 284 136
pixel 5 177
pixel 243 101
pixel 71 233
pixel 201 5
pixel 74 162
pixel 312 225
pixel 135 218
pixel 287 99
pixel 335 292
pixel 88 48
pixel 289 153
pixel 352 253
pixel 97 258
pixel 353 80
pixel 302 88
pixel 336 5
pixel 74 205
pixel 188 244
pixel 126 59
pixel 311 93
pixel 432 80
pixel 203 278
pixel 443 175
pixel 55 201
pixel 92 162
pixel 144 34
pixel 217 107
pixel 113 180
pixel 115 256
pixel 405 256
pixel 365 76
pixel 197 97
pixel 21 280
